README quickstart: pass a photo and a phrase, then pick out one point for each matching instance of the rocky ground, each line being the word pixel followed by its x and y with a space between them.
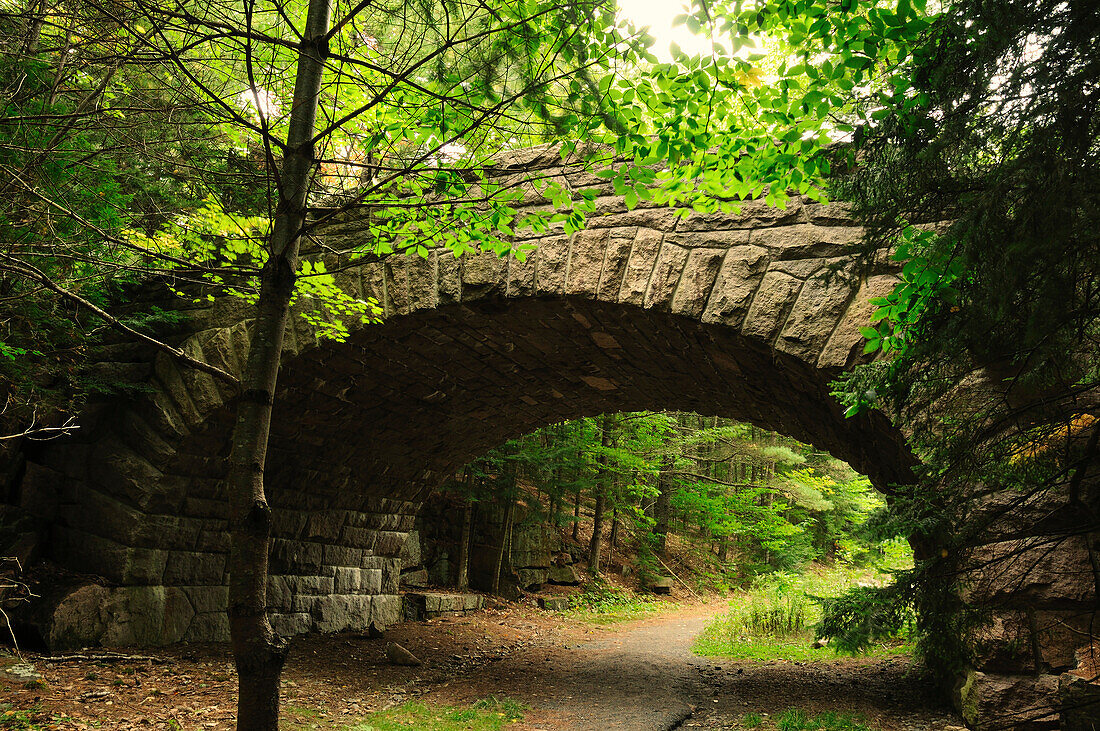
pixel 638 675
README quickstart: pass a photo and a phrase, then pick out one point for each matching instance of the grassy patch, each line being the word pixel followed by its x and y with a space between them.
pixel 602 603
pixel 774 619
pixel 490 714
pixel 713 644
pixel 796 719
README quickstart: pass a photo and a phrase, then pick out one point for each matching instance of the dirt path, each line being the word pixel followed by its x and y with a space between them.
pixel 637 676
pixel 642 676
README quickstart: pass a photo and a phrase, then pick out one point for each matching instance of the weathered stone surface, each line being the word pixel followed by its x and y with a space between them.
pixel 639 267
pixel 482 274
pixel 1080 703
pixel 619 244
pixel 347 580
pixel 696 281
pixel 815 313
pixel 989 701
pixel 1015 641
pixel 386 609
pixel 338 612
pixel 78 620
pixel 1036 573
pixel 290 624
pixel 846 343
pixel 146 615
pixel 418 578
pixel 771 305
pixel 418 607
pixel 806 241
pixel 183 568
pixel 753 214
pixel 737 281
pixel 410 551
pixel 666 275
pixel 661 585
pixel 531 579
pixel 586 262
pixel 563 575
pixel 553 259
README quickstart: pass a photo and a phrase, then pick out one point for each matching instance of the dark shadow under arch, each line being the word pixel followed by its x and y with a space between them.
pixel 401 405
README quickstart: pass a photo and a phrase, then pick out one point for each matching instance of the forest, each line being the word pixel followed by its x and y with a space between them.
pixel 161 161
pixel 750 501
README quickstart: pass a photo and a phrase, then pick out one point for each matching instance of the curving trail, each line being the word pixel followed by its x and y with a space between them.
pixel 642 676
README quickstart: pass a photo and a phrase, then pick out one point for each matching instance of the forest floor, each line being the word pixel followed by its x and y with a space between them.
pixel 563 673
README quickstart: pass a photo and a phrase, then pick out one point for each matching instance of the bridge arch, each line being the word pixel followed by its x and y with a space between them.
pixel 747 315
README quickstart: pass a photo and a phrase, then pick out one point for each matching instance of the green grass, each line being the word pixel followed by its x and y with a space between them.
pixel 601 603
pixel 791 650
pixel 489 714
pixel 796 719
pixel 774 619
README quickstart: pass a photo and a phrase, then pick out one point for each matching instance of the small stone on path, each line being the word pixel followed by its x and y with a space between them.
pixel 398 655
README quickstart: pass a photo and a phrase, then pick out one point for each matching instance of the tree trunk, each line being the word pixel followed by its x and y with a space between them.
pixel 505 532
pixel 614 538
pixel 602 480
pixel 463 581
pixel 576 513
pixel 662 509
pixel 257 651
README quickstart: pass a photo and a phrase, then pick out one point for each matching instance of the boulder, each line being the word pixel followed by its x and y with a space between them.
pixel 1080 703
pixel 554 603
pixel 73 619
pixel 563 575
pixel 661 585
pixel 398 655
pixel 988 700
pixel 531 579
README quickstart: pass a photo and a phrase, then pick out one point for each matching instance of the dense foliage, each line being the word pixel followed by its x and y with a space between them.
pixel 740 500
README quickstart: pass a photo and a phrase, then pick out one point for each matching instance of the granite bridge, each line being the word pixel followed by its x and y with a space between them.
pixel 748 316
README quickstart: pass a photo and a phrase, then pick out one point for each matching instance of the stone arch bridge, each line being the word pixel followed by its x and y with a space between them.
pixel 748 316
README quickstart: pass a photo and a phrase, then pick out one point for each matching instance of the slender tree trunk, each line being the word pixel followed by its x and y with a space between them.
pixel 614 537
pixel 576 513
pixel 463 580
pixel 662 509
pixel 597 534
pixel 602 485
pixel 555 496
pixel 257 651
pixel 505 533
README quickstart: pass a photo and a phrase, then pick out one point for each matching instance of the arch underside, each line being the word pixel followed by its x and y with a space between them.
pixel 402 405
